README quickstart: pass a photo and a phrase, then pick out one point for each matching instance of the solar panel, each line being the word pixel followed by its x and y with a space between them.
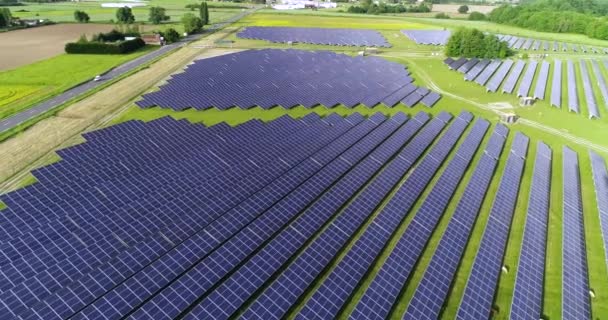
pixel 572 90
pixel 428 37
pixel 575 283
pixel 526 81
pixel 500 75
pixel 256 190
pixel 274 301
pixel 601 82
pixel 251 238
pixel 513 77
pixel 324 36
pixel 481 285
pixel 476 70
pixel 600 181
pixel 556 85
pixel 458 63
pixel 286 78
pixel 483 78
pixel 327 300
pixel 541 82
pixel 588 90
pixel 432 290
pixel 528 294
pixel 384 289
pixel 468 65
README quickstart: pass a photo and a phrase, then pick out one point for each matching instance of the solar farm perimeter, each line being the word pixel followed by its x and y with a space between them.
pixel 385 209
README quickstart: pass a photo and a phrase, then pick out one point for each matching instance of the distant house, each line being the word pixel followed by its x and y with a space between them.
pixel 152 38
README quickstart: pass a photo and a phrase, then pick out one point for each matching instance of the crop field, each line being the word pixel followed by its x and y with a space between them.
pixel 26 85
pixel 320 208
pixel 21 47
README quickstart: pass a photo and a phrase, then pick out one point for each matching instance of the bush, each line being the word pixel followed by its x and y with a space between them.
pixel 477 16
pixel 5 17
pixel 472 43
pixel 81 16
pixel 192 23
pixel 171 35
pixel 111 36
pixel 441 15
pixel 104 48
pixel 463 9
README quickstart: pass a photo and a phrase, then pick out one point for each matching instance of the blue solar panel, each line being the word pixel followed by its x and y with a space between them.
pixel 572 91
pixel 433 289
pixel 588 90
pixel 468 65
pixel 575 283
pixel 601 82
pixel 274 302
pixel 432 37
pixel 382 293
pixel 476 70
pixel 326 36
pixel 526 81
pixel 286 78
pixel 482 282
pixel 330 297
pixel 600 181
pixel 288 170
pixel 541 82
pixel 483 78
pixel 528 294
pixel 556 85
pixel 500 75
pixel 513 77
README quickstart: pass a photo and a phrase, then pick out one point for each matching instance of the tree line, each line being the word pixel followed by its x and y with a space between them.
pixel 472 43
pixel 368 7
pixel 562 16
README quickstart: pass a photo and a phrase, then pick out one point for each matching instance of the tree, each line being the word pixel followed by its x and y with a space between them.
pixel 158 15
pixel 192 23
pixel 441 15
pixel 472 43
pixel 125 15
pixel 81 16
pixel 463 9
pixel 5 17
pixel 171 35
pixel 204 13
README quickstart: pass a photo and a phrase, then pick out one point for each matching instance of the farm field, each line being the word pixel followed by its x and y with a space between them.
pixel 26 85
pixel 25 46
pixel 299 226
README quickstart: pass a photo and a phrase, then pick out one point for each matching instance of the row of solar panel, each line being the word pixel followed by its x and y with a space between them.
pixel 201 222
pixel 519 43
pixel 323 36
pixel 493 74
pixel 289 78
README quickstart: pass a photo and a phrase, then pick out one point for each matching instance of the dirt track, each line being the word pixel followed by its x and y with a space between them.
pixel 21 47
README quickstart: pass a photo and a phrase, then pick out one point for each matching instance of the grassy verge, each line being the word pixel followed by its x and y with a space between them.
pixel 23 126
pixel 25 86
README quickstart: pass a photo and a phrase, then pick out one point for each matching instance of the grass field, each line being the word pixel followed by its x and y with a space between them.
pixel 22 87
pixel 429 71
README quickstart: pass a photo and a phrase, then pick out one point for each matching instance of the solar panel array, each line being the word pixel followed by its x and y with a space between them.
pixel 556 85
pixel 481 285
pixel 325 36
pixel 493 74
pixel 384 289
pixel 526 81
pixel 588 90
pixel 500 76
pixel 430 37
pixel 522 43
pixel 432 291
pixel 168 219
pixel 575 280
pixel 572 90
pixel 600 181
pixel 288 78
pixel 528 294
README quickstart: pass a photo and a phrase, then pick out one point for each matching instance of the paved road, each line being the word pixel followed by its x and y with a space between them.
pixel 46 106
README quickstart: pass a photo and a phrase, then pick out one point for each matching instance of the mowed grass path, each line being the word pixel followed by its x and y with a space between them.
pixel 22 87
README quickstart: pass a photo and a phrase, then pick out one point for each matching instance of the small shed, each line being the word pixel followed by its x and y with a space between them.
pixel 509 118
